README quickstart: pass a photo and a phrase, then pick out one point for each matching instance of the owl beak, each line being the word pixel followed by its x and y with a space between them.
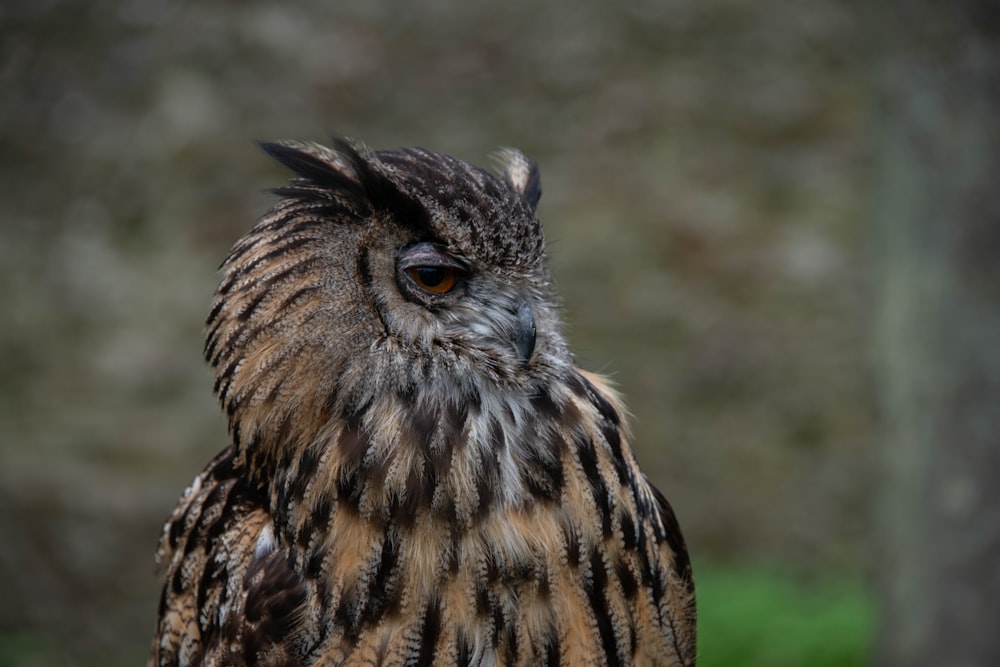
pixel 524 335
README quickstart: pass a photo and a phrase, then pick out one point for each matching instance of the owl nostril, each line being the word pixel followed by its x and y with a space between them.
pixel 524 335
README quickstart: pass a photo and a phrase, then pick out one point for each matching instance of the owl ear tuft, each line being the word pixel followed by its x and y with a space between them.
pixel 521 173
pixel 318 166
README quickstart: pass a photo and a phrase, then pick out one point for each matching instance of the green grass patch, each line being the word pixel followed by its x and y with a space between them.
pixel 766 618
pixel 22 650
pixel 25 649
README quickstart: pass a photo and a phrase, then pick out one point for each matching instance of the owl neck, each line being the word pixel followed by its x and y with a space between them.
pixel 428 456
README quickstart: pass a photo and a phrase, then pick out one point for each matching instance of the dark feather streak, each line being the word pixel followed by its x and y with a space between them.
pixel 316 169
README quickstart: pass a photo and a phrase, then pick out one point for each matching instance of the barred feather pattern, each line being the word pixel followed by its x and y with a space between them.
pixel 402 488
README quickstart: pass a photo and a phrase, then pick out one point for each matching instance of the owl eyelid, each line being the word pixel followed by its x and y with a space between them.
pixel 428 254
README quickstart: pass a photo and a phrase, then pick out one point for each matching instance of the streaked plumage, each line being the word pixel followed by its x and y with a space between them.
pixel 414 478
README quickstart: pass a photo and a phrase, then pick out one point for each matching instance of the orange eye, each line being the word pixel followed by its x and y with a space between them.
pixel 434 279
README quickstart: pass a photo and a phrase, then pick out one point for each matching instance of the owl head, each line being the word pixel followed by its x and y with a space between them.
pixel 406 275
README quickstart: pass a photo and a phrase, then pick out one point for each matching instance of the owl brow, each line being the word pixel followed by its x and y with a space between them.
pixel 362 182
pixel 378 187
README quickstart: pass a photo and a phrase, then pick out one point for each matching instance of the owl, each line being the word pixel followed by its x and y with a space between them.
pixel 417 473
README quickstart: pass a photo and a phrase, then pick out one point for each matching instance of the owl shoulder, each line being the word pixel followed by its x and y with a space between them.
pixel 229 592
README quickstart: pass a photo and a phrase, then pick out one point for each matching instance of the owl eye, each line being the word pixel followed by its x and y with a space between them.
pixel 426 271
pixel 435 279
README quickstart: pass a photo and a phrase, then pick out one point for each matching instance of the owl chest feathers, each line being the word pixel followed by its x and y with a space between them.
pixel 474 534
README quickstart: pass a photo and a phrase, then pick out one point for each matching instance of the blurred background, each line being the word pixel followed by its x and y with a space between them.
pixel 707 173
